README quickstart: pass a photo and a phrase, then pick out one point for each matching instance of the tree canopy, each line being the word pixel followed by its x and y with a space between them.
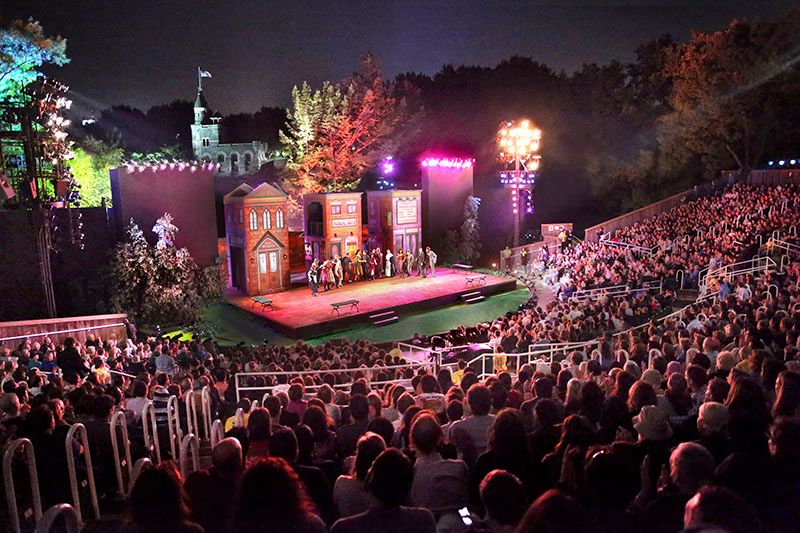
pixel 24 48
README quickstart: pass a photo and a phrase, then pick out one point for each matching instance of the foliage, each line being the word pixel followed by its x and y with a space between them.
pixel 23 49
pixel 91 165
pixel 161 284
pixel 335 133
pixel 164 153
pixel 464 245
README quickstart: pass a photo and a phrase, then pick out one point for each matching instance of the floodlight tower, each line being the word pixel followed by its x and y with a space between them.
pixel 519 144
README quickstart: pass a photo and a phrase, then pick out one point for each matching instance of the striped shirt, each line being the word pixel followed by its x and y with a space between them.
pixel 160 400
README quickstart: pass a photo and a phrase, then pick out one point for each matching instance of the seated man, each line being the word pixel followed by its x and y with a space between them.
pixel 210 492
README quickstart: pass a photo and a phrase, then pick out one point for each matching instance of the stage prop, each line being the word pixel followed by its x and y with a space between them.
pixel 144 192
pixel 332 223
pixel 257 239
pixel 299 315
pixel 395 219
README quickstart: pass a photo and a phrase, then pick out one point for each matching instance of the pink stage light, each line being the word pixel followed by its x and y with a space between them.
pixel 447 162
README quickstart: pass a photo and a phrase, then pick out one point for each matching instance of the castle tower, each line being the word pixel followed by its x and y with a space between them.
pixel 205 135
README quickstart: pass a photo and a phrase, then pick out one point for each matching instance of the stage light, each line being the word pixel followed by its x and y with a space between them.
pixel 771 163
pixel 781 162
pixel 792 162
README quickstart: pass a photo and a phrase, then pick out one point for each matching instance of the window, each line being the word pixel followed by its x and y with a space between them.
pixel 220 158
pixel 205 142
pixel 336 209
pixel 372 208
pixel 352 208
pixel 241 216
pixel 279 218
pixel 248 161
pixel 267 219
pixel 234 162
pixel 273 261
pixel 253 219
pixel 388 218
pixel 262 263
pixel 228 215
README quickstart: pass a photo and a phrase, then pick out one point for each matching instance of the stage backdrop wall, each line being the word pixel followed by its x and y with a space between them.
pixel 145 193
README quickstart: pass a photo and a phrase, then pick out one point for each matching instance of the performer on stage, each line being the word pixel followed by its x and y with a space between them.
pixel 389 264
pixel 313 272
pixel 409 263
pixel 338 271
pixel 400 260
pixel 422 263
pixel 346 274
pixel 432 257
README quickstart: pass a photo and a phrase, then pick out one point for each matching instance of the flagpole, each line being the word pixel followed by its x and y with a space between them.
pixel 199 81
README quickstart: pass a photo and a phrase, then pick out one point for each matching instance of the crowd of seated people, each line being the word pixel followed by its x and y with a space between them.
pixel 689 422
pixel 708 232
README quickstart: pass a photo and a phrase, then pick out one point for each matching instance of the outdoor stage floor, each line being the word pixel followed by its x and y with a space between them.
pixel 298 314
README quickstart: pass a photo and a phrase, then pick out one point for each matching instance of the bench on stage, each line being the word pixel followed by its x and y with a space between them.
pixel 476 280
pixel 462 266
pixel 263 302
pixel 352 303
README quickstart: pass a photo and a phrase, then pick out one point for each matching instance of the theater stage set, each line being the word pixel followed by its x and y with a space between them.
pixel 299 315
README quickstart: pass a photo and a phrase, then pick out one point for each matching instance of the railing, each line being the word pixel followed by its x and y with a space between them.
pixel 78 433
pixel 191 413
pixel 368 374
pixel 615 291
pixel 514 261
pixel 150 431
pixel 174 427
pixel 205 401
pixel 118 423
pixel 67 516
pixel 8 479
pixel 750 266
pixel 217 432
pixel 786 247
pixel 628 246
pixel 190 443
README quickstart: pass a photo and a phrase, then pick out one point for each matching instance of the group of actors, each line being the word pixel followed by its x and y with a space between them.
pixel 362 265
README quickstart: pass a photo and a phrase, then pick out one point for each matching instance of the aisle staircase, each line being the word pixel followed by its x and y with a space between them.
pixel 472 297
pixel 384 318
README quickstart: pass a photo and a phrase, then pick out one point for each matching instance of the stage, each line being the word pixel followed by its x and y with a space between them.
pixel 299 315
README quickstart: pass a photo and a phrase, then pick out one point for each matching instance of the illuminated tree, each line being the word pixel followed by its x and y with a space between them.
pixel 91 166
pixel 334 134
pixel 23 49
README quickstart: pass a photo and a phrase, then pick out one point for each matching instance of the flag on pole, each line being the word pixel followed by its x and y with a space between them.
pixel 203 73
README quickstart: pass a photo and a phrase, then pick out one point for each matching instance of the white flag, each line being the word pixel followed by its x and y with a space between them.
pixel 203 73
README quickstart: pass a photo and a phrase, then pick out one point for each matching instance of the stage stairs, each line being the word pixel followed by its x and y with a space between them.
pixel 384 318
pixel 472 297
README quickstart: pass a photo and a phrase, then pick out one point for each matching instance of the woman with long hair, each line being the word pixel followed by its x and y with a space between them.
pixel 272 498
pixel 324 439
pixel 508 450
pixel 749 416
pixel 787 390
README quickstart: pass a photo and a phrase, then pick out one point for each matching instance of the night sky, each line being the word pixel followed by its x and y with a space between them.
pixel 142 52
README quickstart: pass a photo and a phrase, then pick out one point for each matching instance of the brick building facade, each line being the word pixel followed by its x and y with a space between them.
pixel 332 223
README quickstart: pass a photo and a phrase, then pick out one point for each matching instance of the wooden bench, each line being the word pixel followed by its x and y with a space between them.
pixel 476 280
pixel 462 266
pixel 263 302
pixel 352 303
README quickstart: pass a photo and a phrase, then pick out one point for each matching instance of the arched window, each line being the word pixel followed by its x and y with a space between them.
pixel 234 162
pixel 248 161
pixel 279 218
pixel 267 219
pixel 253 219
pixel 220 158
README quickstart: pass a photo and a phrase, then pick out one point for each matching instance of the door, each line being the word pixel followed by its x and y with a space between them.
pixel 398 243
pixel 412 242
pixel 269 269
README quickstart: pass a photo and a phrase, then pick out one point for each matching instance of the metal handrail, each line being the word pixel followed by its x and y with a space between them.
pixel 205 402
pixel 614 291
pixel 8 479
pixel 78 433
pixel 174 427
pixel 118 421
pixel 191 443
pixel 217 432
pixel 191 413
pixel 150 431
pixel 68 514
pixel 140 466
pixel 633 247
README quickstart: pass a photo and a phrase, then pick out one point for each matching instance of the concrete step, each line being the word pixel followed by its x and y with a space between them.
pixel 386 321
pixel 378 316
pixel 474 299
pixel 470 294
